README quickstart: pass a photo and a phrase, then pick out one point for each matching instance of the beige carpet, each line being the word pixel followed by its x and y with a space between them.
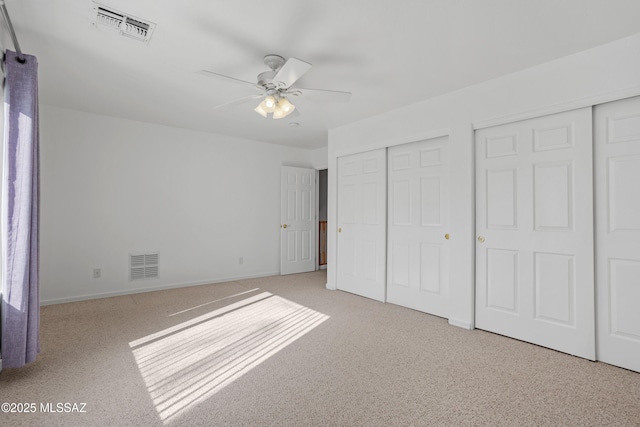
pixel 284 351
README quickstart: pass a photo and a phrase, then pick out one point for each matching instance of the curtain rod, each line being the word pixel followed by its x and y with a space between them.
pixel 16 45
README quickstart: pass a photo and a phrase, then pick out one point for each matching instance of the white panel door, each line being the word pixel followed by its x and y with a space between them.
pixel 361 227
pixel 417 248
pixel 534 224
pixel 617 163
pixel 297 216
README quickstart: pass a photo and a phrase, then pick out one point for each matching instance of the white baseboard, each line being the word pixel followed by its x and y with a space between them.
pixel 154 288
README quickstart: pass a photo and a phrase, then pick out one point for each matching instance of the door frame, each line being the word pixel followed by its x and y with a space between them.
pixel 318 170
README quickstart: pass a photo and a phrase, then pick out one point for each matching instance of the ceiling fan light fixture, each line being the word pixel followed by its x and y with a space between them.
pixel 283 109
pixel 279 113
pixel 260 110
pixel 269 104
pixel 278 82
pixel 286 106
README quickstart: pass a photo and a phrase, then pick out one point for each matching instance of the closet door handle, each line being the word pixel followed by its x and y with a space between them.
pixel 481 239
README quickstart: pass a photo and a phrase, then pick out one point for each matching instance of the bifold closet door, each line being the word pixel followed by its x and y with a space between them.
pixel 534 225
pixel 617 163
pixel 418 212
pixel 361 225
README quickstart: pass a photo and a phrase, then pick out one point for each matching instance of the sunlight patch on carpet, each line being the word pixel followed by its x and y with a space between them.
pixel 190 362
pixel 213 302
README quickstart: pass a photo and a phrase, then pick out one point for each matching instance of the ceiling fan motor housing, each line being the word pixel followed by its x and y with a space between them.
pixel 266 79
pixel 275 62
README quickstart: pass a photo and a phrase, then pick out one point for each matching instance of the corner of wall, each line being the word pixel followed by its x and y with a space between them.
pixel 320 158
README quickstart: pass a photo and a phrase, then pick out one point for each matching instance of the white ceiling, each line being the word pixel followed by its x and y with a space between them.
pixel 388 53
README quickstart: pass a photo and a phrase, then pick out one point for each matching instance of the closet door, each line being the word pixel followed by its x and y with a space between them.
pixel 534 224
pixel 418 250
pixel 361 228
pixel 617 160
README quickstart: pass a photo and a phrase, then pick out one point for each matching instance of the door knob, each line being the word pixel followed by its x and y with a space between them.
pixel 481 239
pixel 339 229
pixel 446 236
pixel 284 226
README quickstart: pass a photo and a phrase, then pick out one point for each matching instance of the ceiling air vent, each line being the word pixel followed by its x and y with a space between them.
pixel 122 23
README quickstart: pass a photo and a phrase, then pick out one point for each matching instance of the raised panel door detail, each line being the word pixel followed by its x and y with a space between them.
pixel 553 196
pixel 534 229
pixel 297 216
pixel 401 214
pixel 401 161
pixel 305 236
pixel 348 257
pixel 555 288
pixel 349 168
pixel 360 231
pixel 370 203
pixel 503 145
pixel 430 157
pixel 292 246
pixel 418 212
pixel 400 264
pixel 554 138
pixel 347 204
pixel 431 199
pixel 370 166
pixel 617 180
pixel 501 196
pixel 624 193
pixel 292 204
pixel 502 279
pixel 623 129
pixel 368 259
pixel 430 268
pixel 306 205
pixel 625 298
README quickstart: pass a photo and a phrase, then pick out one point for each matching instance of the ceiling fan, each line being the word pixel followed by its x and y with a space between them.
pixel 276 87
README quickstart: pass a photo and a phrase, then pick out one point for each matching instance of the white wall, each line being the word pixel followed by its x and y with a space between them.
pixel 598 75
pixel 319 158
pixel 113 186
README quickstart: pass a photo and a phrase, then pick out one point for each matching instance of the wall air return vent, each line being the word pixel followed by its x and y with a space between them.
pixel 122 23
pixel 143 266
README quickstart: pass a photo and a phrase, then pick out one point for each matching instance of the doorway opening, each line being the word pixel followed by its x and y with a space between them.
pixel 322 218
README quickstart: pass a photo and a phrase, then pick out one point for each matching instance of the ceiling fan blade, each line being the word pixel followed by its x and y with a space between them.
pixel 291 71
pixel 227 78
pixel 323 95
pixel 238 101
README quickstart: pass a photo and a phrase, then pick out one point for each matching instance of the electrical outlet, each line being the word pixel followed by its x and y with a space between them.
pixel 97 273
pixel 241 260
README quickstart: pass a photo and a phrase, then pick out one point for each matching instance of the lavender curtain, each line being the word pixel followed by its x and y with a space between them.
pixel 20 213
